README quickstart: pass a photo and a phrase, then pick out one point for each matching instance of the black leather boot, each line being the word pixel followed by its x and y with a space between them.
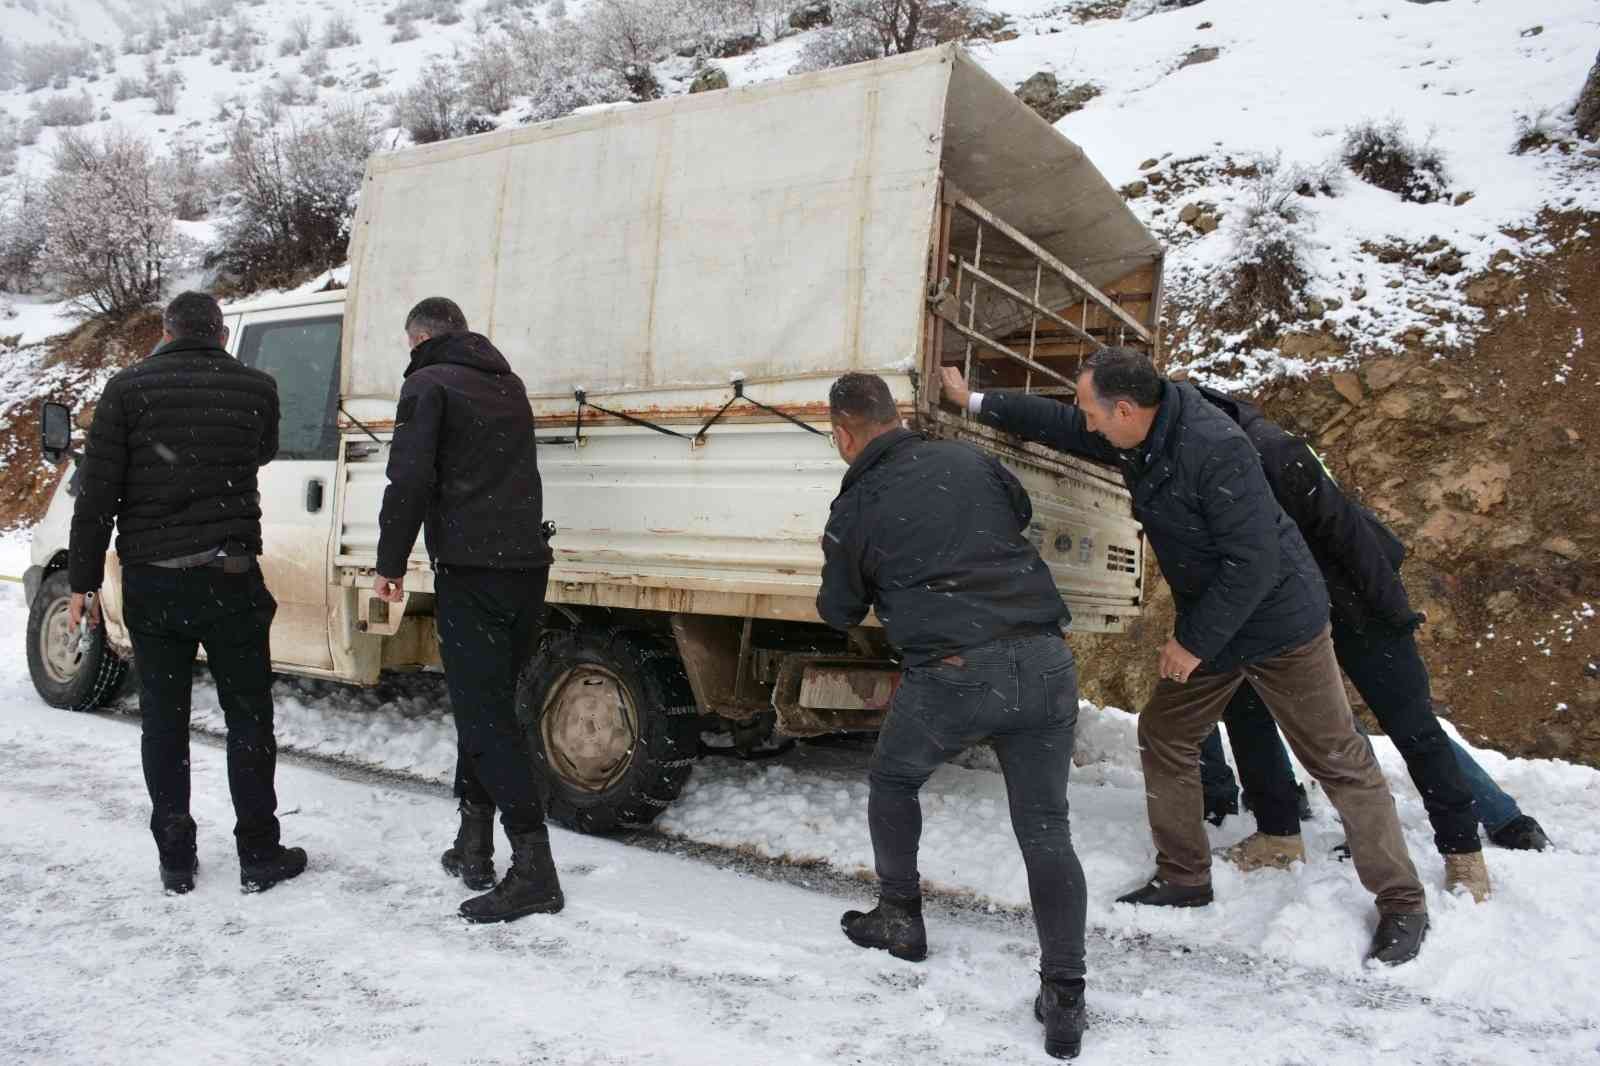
pixel 261 873
pixel 175 846
pixel 1398 938
pixel 894 925
pixel 1059 1006
pixel 1159 893
pixel 471 858
pixel 531 885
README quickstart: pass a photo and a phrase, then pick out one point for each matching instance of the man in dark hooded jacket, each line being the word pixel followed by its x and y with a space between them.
pixel 1252 610
pixel 1374 639
pixel 462 464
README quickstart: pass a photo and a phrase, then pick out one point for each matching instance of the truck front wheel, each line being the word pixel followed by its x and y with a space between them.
pixel 610 721
pixel 63 675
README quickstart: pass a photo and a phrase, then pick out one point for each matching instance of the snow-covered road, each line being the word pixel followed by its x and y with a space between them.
pixel 726 955
pixel 657 958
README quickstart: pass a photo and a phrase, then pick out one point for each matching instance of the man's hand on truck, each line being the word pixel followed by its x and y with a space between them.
pixel 955 387
pixel 390 589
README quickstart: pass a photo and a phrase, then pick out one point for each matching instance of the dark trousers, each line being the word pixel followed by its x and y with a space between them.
pixel 489 622
pixel 1021 695
pixel 170 614
pixel 1386 667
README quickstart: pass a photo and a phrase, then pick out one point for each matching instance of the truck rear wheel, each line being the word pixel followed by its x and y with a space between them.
pixel 610 720
pixel 62 675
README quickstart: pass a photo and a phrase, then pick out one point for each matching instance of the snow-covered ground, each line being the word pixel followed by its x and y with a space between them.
pixel 362 961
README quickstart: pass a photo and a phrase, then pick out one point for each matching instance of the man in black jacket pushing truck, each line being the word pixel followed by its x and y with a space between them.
pixel 1252 609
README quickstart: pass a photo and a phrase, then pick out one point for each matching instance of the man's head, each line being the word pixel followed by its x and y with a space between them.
pixel 1119 393
pixel 434 317
pixel 861 409
pixel 196 317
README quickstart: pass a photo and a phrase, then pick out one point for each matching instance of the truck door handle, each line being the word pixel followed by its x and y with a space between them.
pixel 314 495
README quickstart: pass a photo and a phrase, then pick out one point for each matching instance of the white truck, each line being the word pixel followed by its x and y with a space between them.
pixel 678 284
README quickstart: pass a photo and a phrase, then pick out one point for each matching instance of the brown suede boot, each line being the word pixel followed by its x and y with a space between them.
pixel 1263 851
pixel 1467 871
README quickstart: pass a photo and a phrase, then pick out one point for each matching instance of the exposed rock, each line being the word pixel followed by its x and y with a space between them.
pixel 1553 744
pixel 1463 417
pixel 1463 197
pixel 736 44
pixel 1207 223
pixel 1447 264
pixel 1502 603
pixel 1396 283
pixel 1514 535
pixel 1148 163
pixel 1532 31
pixel 1482 486
pixel 1491 290
pixel 1134 189
pixel 1043 93
pixel 811 15
pixel 710 78
pixel 1564 547
pixel 1447 530
pixel 1308 345
pixel 1382 373
pixel 1316 308
pixel 1189 213
pixel 1358 293
pixel 1333 303
pixel 1349 386
pixel 1196 56
pixel 1586 116
pixel 1397 405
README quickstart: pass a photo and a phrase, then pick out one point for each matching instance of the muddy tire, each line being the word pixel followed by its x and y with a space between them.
pixel 63 676
pixel 611 727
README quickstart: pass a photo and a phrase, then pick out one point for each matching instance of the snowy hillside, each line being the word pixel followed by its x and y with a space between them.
pixel 1211 94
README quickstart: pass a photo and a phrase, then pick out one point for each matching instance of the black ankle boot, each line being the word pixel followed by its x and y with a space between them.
pixel 1159 893
pixel 531 885
pixel 472 856
pixel 1059 1006
pixel 175 847
pixel 261 873
pixel 1398 938
pixel 894 925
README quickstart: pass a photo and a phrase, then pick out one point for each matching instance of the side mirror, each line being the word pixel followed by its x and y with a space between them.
pixel 55 431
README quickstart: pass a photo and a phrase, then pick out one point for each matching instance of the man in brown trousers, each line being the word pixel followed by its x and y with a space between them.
pixel 1252 608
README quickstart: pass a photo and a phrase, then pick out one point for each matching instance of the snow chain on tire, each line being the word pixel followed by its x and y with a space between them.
pixel 662 755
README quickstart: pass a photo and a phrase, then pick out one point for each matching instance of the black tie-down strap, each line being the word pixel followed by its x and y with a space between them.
pixel 738 394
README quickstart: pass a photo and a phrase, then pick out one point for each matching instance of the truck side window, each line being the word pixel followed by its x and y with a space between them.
pixel 303 354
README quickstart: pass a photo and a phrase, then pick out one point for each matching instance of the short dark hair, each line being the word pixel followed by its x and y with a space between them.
pixel 863 398
pixel 193 316
pixel 436 316
pixel 1124 374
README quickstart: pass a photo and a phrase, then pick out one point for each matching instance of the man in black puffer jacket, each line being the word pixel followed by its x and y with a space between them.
pixel 171 460
pixel 932 535
pixel 463 463
pixel 1252 609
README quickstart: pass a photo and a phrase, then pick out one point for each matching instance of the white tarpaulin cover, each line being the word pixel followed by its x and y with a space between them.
pixel 775 232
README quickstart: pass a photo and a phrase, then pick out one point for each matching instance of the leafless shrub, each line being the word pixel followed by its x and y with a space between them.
pixel 1382 154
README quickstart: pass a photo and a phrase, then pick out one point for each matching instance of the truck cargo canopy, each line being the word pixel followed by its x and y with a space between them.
pixel 778 232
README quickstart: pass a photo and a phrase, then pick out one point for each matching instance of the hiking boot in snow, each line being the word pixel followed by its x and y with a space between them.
pixel 1467 871
pixel 1159 893
pixel 471 858
pixel 894 925
pixel 258 875
pixel 530 886
pixel 1260 851
pixel 175 846
pixel 1521 834
pixel 1398 938
pixel 1059 1005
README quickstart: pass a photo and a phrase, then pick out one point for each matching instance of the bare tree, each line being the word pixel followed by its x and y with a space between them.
pixel 109 220
pixel 339 31
pixel 298 39
pixel 22 234
pixel 165 92
pixel 295 192
pixel 491 74
pixel 435 107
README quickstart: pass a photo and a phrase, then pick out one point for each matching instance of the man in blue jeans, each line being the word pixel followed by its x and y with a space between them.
pixel 930 534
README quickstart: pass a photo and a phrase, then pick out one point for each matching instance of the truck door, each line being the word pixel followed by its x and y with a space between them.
pixel 302 352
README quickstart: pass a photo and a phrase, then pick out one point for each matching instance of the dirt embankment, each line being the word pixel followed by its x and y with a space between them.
pixel 28 481
pixel 1485 464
